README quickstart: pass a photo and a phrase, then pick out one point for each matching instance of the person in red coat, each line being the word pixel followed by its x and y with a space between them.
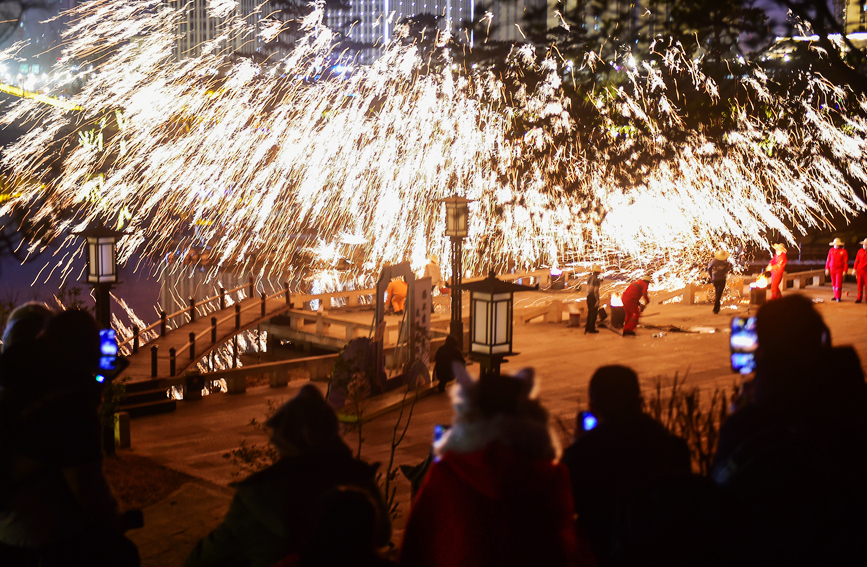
pixel 777 267
pixel 836 266
pixel 860 269
pixel 632 304
pixel 495 495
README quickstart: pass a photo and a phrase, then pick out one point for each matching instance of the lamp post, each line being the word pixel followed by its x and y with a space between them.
pixel 101 243
pixel 457 216
pixel 491 305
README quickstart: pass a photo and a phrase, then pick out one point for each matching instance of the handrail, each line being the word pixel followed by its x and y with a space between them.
pixel 303 298
pixel 205 301
pixel 207 331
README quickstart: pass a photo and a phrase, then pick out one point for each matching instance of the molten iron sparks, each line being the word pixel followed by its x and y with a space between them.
pixel 271 169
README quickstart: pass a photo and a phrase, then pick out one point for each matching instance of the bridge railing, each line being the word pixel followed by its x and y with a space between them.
pixel 136 337
pixel 316 367
pixel 212 330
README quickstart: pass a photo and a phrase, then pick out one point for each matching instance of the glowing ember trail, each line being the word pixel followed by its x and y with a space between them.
pixel 272 169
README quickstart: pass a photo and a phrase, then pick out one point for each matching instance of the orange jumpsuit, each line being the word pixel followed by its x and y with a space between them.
pixel 395 294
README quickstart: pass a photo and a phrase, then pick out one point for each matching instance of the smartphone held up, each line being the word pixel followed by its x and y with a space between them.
pixel 743 344
pixel 110 364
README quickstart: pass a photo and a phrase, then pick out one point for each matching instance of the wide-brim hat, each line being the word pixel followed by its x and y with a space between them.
pixel 837 242
pixel 721 255
pixel 433 258
pixel 779 247
pixel 863 241
pixel 595 268
pixel 648 279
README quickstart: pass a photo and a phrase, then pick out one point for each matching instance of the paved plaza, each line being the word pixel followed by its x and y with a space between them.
pixel 194 438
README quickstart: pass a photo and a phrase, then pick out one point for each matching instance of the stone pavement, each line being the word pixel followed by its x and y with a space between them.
pixel 194 438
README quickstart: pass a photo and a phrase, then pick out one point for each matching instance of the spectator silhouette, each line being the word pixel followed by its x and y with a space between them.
pixel 793 455
pixel 625 452
pixel 495 496
pixel 55 505
pixel 274 511
pixel 345 533
pixel 25 322
pixel 446 356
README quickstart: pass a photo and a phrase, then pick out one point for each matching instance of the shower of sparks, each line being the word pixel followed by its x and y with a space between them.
pixel 273 168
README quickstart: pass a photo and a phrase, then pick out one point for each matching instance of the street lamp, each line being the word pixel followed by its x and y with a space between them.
pixel 101 245
pixel 491 306
pixel 457 216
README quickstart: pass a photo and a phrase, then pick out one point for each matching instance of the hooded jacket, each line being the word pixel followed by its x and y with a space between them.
pixel 274 511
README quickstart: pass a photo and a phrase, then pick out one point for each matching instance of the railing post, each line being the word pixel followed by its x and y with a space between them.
pixel 234 351
pixel 213 330
pixel 192 309
pixel 237 316
pixel 163 323
pixel 288 295
pixel 192 346
pixel 252 287
pixel 262 295
pixel 134 339
pixel 222 298
pixel 154 351
pixel 172 361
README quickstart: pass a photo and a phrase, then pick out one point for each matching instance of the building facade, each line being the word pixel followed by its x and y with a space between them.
pixel 201 25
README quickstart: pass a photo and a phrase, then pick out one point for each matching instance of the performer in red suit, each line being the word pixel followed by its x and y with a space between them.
pixel 632 305
pixel 860 269
pixel 777 267
pixel 836 266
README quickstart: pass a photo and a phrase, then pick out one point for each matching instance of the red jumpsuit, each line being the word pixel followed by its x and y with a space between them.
pixel 633 293
pixel 777 267
pixel 838 261
pixel 860 269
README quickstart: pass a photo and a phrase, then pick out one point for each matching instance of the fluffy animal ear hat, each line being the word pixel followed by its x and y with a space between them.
pixel 499 395
pixel 721 255
pixel 837 242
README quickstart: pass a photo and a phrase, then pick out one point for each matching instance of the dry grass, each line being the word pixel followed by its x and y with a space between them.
pixel 139 482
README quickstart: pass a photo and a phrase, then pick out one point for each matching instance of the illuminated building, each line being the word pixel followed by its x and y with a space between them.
pixel 201 26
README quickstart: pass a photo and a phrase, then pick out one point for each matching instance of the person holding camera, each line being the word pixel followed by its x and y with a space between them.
pixel 632 305
pixel 56 508
pixel 623 452
pixel 791 456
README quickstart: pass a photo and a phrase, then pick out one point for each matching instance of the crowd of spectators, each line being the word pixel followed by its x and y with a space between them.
pixel 788 485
